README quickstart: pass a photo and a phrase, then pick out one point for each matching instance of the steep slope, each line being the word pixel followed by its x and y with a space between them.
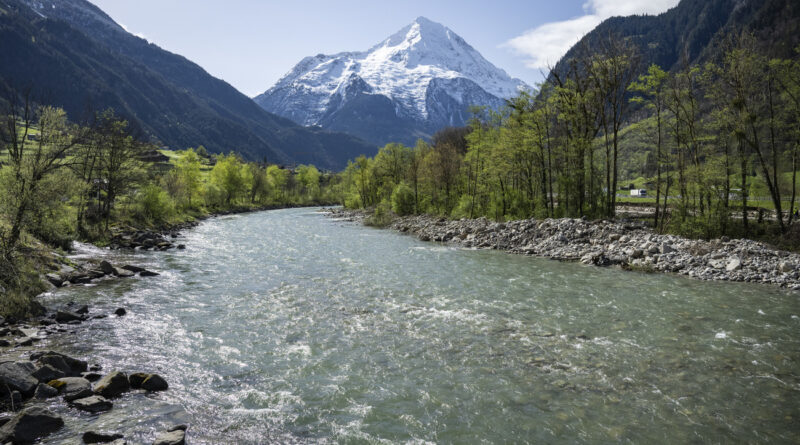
pixel 420 79
pixel 81 59
pixel 692 31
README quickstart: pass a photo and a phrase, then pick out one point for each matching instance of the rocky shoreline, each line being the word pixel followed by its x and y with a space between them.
pixel 628 244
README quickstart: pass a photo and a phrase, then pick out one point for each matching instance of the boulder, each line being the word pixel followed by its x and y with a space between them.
pixel 29 425
pixel 154 382
pixel 17 377
pixel 786 267
pixel 55 279
pixel 134 269
pixel 45 373
pixel 148 273
pixel 137 378
pixel 120 311
pixel 95 437
pixel 64 316
pixel 112 385
pixel 122 273
pixel 72 388
pixel 72 367
pixel 91 376
pixel 106 267
pixel 93 404
pixel 734 263
pixel 44 392
pixel 176 437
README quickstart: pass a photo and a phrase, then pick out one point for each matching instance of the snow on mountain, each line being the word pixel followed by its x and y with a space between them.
pixel 430 75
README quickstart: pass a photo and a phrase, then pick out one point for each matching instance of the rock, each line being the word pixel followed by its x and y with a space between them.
pixel 734 263
pixel 91 376
pixel 134 269
pixel 154 382
pixel 25 341
pixel 182 427
pixel 666 248
pixel 177 437
pixel 72 388
pixel 148 273
pixel 44 392
pixel 786 267
pixel 112 385
pixel 137 378
pixel 72 367
pixel 122 273
pixel 120 311
pixel 29 425
pixel 82 309
pixel 181 246
pixel 5 342
pixel 46 373
pixel 93 404
pixel 63 316
pixel 106 267
pixel 17 377
pixel 55 279
pixel 95 437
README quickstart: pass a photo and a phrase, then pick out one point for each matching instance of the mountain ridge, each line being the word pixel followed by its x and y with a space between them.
pixel 75 52
pixel 419 79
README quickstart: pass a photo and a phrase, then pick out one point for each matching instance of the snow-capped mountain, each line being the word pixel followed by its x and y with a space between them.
pixel 422 78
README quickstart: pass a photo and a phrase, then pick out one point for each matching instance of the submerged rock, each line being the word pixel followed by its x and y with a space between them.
pixel 93 404
pixel 95 437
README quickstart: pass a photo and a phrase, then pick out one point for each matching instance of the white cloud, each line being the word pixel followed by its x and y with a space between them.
pixel 543 46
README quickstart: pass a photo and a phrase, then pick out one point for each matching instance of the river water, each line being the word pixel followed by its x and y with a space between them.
pixel 289 327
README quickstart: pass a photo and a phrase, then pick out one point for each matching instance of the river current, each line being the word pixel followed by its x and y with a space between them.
pixel 290 327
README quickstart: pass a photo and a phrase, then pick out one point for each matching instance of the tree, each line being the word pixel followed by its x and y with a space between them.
pixel 227 175
pixel 652 86
pixel 188 171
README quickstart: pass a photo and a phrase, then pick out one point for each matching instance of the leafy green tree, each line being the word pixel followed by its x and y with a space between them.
pixel 227 177
pixel 188 171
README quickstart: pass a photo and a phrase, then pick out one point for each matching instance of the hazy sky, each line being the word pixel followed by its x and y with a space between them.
pixel 252 43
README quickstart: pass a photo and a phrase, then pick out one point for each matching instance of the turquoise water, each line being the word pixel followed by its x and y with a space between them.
pixel 289 327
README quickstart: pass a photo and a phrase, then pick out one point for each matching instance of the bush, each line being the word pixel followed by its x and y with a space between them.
pixel 382 216
pixel 154 205
pixel 403 200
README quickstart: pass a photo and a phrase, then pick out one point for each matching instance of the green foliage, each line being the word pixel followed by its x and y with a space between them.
pixel 154 205
pixel 381 216
pixel 403 200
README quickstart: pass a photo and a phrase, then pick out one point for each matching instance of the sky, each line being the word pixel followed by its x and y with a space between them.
pixel 252 43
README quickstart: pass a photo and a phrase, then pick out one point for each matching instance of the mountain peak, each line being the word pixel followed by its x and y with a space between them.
pixel 425 72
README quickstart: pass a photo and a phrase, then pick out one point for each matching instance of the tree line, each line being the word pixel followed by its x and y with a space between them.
pixel 63 181
pixel 716 131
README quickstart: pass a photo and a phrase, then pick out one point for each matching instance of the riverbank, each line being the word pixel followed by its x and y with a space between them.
pixel 628 244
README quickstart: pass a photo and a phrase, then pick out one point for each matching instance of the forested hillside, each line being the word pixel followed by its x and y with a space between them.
pixel 77 58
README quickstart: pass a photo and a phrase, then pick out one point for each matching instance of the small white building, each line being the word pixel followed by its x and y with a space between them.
pixel 639 192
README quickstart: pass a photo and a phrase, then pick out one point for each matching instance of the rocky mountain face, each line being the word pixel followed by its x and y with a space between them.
pixel 78 58
pixel 422 78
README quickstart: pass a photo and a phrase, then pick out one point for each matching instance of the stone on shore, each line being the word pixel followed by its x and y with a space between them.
pixel 17 377
pixel 96 437
pixel 46 373
pixel 64 316
pixel 72 367
pixel 93 404
pixel 72 388
pixel 30 424
pixel 44 391
pixel 112 385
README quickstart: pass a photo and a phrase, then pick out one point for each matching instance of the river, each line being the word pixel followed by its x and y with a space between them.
pixel 290 327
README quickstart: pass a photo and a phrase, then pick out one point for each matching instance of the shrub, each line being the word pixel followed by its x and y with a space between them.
pixel 154 205
pixel 403 199
pixel 382 216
